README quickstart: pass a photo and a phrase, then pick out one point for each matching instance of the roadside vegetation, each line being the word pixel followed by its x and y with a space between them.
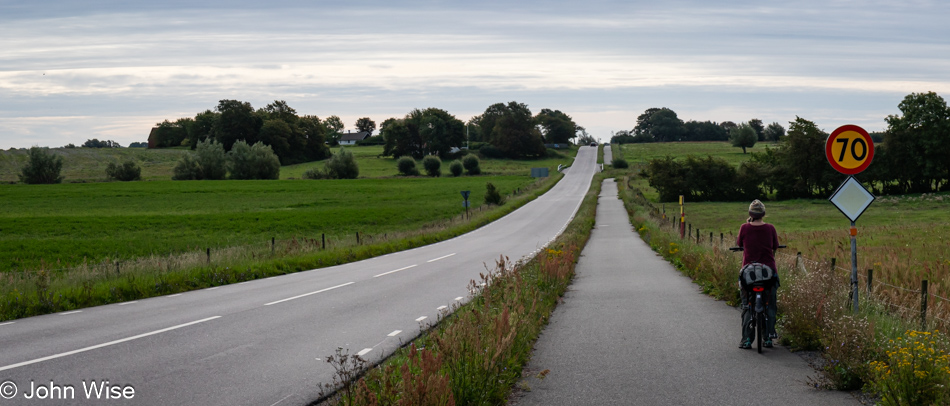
pixel 476 352
pixel 894 348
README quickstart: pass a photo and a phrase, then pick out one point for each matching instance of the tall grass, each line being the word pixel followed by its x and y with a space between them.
pixel 476 354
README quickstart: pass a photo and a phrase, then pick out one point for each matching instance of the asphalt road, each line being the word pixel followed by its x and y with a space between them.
pixel 633 330
pixel 263 342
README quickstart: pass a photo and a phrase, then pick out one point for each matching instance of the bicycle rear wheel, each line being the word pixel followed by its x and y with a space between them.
pixel 759 331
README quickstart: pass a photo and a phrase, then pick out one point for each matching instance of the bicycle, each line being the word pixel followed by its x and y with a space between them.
pixel 757 280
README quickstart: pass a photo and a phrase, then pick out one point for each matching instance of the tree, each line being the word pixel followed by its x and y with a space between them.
pixel 95 143
pixel 334 128
pixel 660 124
pixel 202 127
pixel 279 110
pixel 399 140
pixel 774 132
pixel 342 165
pixel 456 168
pixel 799 167
pixel 278 135
pixel 209 162
pixel 556 127
pixel 407 166
pixel 743 137
pixel 728 126
pixel 236 120
pixel 585 138
pixel 43 167
pixel 756 125
pixel 513 130
pixel 432 165
pixel 365 124
pixel 313 130
pixel 250 162
pixel 471 164
pixel 918 143
pixel 423 132
pixel 127 171
pixel 167 134
pixel 492 196
pixel 704 131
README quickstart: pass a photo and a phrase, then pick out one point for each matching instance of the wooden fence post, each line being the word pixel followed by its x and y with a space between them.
pixel 923 305
pixel 208 251
pixel 272 246
pixel 870 280
pixel 323 243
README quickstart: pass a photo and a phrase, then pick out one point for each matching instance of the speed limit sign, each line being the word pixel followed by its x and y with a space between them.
pixel 849 149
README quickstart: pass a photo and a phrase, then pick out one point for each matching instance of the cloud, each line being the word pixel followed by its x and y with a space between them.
pixel 131 63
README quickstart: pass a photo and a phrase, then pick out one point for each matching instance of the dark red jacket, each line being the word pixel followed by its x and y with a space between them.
pixel 758 243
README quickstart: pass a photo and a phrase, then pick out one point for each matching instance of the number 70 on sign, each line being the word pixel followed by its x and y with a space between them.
pixel 849 149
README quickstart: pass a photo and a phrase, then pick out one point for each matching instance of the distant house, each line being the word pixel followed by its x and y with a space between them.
pixel 153 138
pixel 351 138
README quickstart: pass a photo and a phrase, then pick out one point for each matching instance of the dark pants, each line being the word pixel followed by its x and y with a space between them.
pixel 748 328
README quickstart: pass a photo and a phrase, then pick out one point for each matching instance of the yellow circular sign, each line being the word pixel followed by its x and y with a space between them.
pixel 849 149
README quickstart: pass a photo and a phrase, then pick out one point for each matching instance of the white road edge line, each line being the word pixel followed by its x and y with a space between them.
pixel 72 312
pixel 458 299
pixel 364 351
pixel 216 288
pixel 4 324
pixel 400 269
pixel 125 303
pixel 393 334
pixel 419 319
pixel 308 294
pixel 441 307
pixel 443 257
pixel 177 294
pixel 25 363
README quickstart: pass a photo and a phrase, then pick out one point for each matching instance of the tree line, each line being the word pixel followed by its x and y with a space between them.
pixel 663 125
pixel 911 156
pixel 510 128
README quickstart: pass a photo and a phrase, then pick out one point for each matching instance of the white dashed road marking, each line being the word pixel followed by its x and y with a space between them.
pixel 364 351
pixel 393 334
pixel 400 269
pixel 422 318
pixel 67 313
pixel 104 344
pixel 308 294
pixel 442 257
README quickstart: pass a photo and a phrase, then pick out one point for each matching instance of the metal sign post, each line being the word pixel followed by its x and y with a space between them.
pixel 465 194
pixel 682 219
pixel 849 150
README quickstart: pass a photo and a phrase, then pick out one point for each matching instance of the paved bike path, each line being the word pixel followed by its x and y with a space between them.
pixel 633 330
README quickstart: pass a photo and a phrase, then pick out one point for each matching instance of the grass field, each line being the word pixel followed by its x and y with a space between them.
pixel 63 225
pixel 89 164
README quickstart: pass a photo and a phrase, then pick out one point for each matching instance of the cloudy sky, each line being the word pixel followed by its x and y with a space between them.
pixel 110 69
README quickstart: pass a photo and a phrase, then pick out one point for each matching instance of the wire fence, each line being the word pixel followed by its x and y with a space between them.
pixel 916 305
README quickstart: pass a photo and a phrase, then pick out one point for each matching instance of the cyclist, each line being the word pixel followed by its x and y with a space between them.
pixel 759 241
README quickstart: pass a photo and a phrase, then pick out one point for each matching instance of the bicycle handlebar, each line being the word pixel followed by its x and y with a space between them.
pixel 738 249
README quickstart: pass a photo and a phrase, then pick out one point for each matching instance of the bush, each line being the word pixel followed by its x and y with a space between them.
pixel 620 163
pixel 433 165
pixel 492 196
pixel 456 168
pixel 914 370
pixel 253 162
pixel 43 167
pixel 209 162
pixel 125 172
pixel 471 164
pixel 407 166
pixel 342 165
